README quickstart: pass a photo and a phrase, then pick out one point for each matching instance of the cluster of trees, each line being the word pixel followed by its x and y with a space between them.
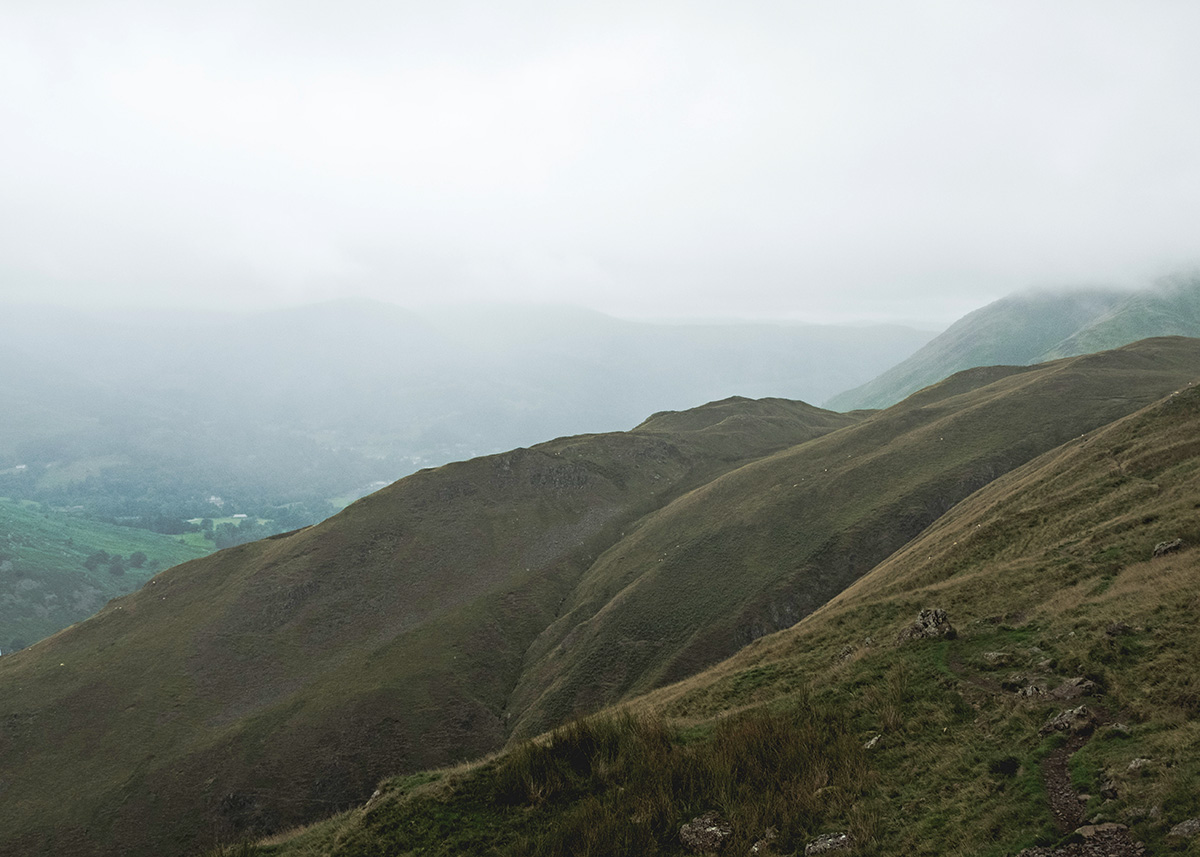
pixel 275 519
pixel 116 564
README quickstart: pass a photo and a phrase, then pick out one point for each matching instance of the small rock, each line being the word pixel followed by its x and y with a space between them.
pixel 1045 664
pixel 1116 629
pixel 1108 790
pixel 932 622
pixel 829 842
pixel 1015 681
pixel 1116 730
pixel 763 846
pixel 847 652
pixel 1138 763
pixel 1031 690
pixel 1073 688
pixel 1186 829
pixel 1164 548
pixel 705 833
pixel 996 659
pixel 1089 831
pixel 1077 720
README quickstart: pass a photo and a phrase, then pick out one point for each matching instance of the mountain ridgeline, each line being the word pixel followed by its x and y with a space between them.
pixel 135 416
pixel 1055 717
pixel 1035 326
pixel 467 607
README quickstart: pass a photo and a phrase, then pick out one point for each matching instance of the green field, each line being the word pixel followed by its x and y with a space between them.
pixel 44 584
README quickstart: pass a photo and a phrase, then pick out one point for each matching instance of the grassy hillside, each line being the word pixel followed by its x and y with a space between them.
pixel 1032 327
pixel 768 543
pixel 927 747
pixel 1171 309
pixel 276 681
pixel 1016 330
pixel 46 579
pixel 431 622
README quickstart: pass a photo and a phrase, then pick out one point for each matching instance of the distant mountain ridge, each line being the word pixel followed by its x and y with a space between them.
pixel 320 401
pixel 1035 326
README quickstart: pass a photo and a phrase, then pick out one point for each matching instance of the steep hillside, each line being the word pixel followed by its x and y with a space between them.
pixel 936 746
pixel 1032 327
pixel 1170 309
pixel 275 681
pixel 762 546
pixel 431 622
pixel 1015 331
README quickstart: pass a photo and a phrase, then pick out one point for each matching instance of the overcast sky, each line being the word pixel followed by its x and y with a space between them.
pixel 811 160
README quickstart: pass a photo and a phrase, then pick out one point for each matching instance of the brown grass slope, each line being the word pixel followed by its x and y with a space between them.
pixel 1049 565
pixel 277 681
pixel 758 548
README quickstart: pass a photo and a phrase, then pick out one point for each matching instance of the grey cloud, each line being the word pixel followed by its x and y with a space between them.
pixel 817 160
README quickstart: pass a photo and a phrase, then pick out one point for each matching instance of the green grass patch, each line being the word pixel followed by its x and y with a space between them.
pixel 46 579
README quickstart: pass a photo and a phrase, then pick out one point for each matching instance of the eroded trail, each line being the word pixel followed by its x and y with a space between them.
pixel 1065 803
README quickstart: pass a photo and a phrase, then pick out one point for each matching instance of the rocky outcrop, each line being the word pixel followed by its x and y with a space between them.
pixel 932 623
pixel 829 842
pixel 1186 829
pixel 705 834
pixel 1164 548
pixel 1074 721
pixel 1073 688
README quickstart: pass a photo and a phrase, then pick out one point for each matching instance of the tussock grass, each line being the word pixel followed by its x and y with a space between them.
pixel 624 784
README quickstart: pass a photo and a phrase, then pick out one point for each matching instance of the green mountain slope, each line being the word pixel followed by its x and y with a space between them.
pixel 429 623
pixel 927 747
pixel 57 569
pixel 1032 327
pixel 1016 330
pixel 1171 309
pixel 275 681
pixel 768 543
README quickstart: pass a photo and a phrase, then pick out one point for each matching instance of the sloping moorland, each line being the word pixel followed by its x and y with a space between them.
pixel 465 607
pixel 926 746
pixel 1035 326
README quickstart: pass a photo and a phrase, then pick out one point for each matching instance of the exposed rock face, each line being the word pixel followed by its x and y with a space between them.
pixel 1164 548
pixel 1073 688
pixel 1186 829
pixel 1091 831
pixel 828 842
pixel 995 660
pixel 932 622
pixel 1073 721
pixel 705 833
